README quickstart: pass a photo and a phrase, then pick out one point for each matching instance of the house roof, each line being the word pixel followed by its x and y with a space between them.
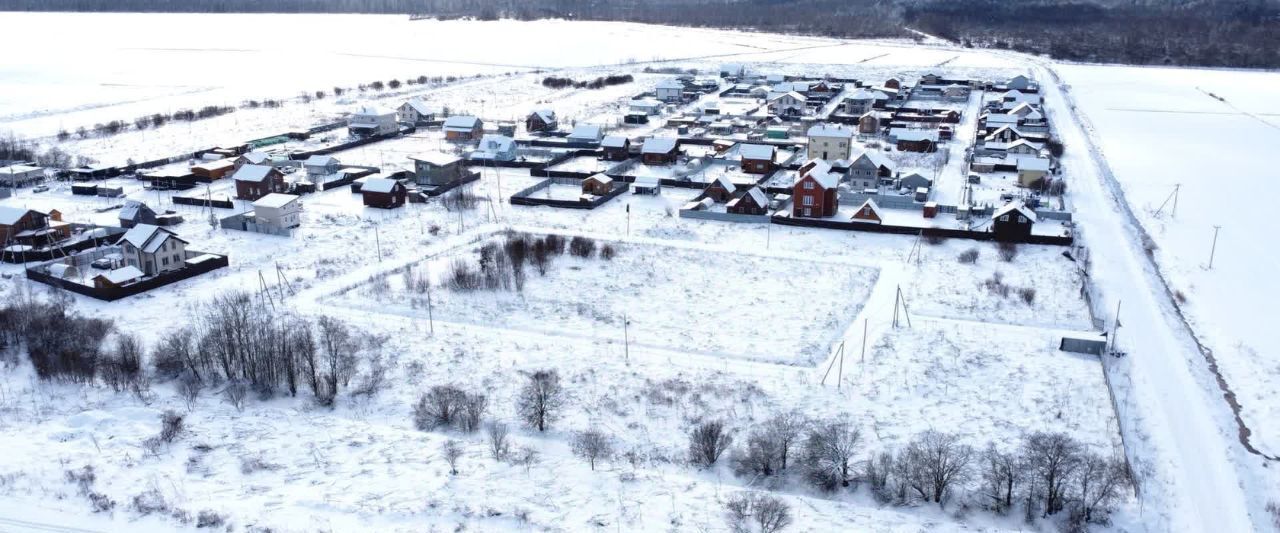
pixel 670 84
pixel 829 130
pixel 19 169
pixel 877 159
pixel 215 165
pixel 256 157
pixel 11 215
pixel 1033 163
pixel 147 237
pixel 913 135
pixel 614 141
pixel 1001 118
pixel 132 210
pixel 821 173
pixel 545 115
pixel 275 200
pixel 586 131
pixel 121 275
pixel 465 122
pixel 381 185
pixel 660 145
pixel 419 106
pixel 253 173
pixel 601 177
pixel 773 97
pixel 496 143
pixel 868 94
pixel 874 208
pixel 372 111
pixel 757 151
pixel 320 161
pixel 436 158
pixel 1012 207
pixel 724 182
pixel 758 196
pixel 916 175
pixel 1020 142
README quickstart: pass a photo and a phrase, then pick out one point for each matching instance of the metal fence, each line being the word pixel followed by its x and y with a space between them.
pixel 724 217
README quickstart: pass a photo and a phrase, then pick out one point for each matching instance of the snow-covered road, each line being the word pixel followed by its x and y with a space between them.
pixel 1195 483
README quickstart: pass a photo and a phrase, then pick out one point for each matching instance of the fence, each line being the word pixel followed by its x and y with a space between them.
pixel 785 220
pixel 63 249
pixel 724 217
pixel 245 222
pixel 111 294
pixel 525 196
pixel 224 203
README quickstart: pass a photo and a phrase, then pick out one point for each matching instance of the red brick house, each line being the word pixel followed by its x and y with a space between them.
pixel 869 212
pixel 255 181
pixel 814 194
pixel 383 193
pixel 753 201
pixel 758 158
pixel 721 190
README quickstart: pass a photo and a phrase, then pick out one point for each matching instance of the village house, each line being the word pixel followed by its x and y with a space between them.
pixel 586 134
pixel 318 166
pixel 117 277
pixel 495 148
pixel 277 212
pixel 720 190
pixel 20 175
pixel 436 169
pixel 648 185
pixel 914 181
pixel 732 70
pixel 869 212
pixel 463 128
pixel 752 201
pixel 383 193
pixel 869 124
pixel 14 220
pixel 214 170
pixel 866 170
pixel 893 83
pixel 415 112
pixel 369 121
pixel 153 250
pixel 758 158
pixel 829 142
pixel 616 148
pixel 255 181
pixel 1020 83
pixel 1032 171
pixel 598 184
pixel 789 104
pixel 915 140
pixel 1004 134
pixel 645 106
pixel 135 213
pixel 541 120
pixel 1024 147
pixel 1013 222
pixel 864 100
pixel 815 193
pixel 254 158
pixel 671 90
pixel 660 150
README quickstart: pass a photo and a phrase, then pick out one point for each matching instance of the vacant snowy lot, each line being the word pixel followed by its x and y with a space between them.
pixel 734 306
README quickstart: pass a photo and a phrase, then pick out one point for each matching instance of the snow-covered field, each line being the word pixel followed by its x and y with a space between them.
pixel 735 321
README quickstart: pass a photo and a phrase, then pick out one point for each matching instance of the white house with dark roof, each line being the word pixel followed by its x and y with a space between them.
pixel 370 121
pixel 153 250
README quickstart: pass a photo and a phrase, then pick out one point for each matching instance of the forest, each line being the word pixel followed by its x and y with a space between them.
pixel 1227 33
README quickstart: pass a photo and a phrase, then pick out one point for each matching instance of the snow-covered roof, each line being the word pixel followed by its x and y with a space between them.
pixel 496 143
pixel 913 135
pixel 670 84
pixel 756 151
pixel 775 96
pixel 465 122
pixel 586 131
pixel 320 161
pixel 646 181
pixel 1010 207
pixel 914 176
pixel 545 115
pixel 1001 118
pixel 646 103
pixel 1023 142
pixel 876 158
pixel 253 173
pixel 829 130
pixel 121 275
pixel 436 158
pixel 131 210
pixel 1033 163
pixel 147 237
pixel 275 200
pixel 875 209
pixel 256 157
pixel 11 215
pixel 724 182
pixel 868 94
pixel 19 169
pixel 758 196
pixel 601 177
pixel 372 111
pixel 382 185
pixel 821 173
pixel 614 141
pixel 419 106
pixel 659 145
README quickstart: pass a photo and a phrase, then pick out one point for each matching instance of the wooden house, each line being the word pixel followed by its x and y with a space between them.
pixel 752 201
pixel 660 150
pixel 383 193
pixel 586 134
pixel 815 193
pixel 15 220
pixel 117 277
pixel 463 128
pixel 758 158
pixel 893 83
pixel 255 181
pixel 598 184
pixel 869 212
pixel 869 124
pixel 914 181
pixel 214 170
pixel 916 140
pixel 616 148
pixel 1013 222
pixel 436 169
pixel 541 120
pixel 135 213
pixel 720 190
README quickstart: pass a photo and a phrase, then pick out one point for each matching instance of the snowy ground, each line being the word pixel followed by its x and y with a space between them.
pixel 972 362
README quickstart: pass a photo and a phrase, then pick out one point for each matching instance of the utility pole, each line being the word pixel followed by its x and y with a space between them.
pixel 1115 327
pixel 377 240
pixel 626 340
pixel 1214 248
pixel 863 357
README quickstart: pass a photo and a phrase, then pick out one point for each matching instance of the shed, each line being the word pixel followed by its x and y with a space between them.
pixel 384 193
pixel 1090 343
pixel 646 185
pixel 598 184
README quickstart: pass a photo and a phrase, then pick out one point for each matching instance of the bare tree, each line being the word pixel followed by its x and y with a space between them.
pixel 451 451
pixel 1001 473
pixel 540 400
pixel 593 445
pixel 707 441
pixel 761 455
pixel 499 445
pixel 1098 483
pixel 189 388
pixel 438 407
pixel 768 513
pixel 876 472
pixel 829 452
pixel 235 391
pixel 937 462
pixel 472 412
pixel 1051 460
pixel 786 430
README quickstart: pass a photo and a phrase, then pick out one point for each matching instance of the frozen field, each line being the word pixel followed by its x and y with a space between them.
pixel 734 306
pixel 1161 128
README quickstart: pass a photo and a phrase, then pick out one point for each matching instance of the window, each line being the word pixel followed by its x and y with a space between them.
pixel 808 185
pixel 164 261
pixel 1022 219
pixel 808 200
pixel 1004 218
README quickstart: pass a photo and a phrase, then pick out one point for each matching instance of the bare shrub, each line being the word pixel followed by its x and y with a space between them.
pixel 250 465
pixel 1007 251
pixel 593 445
pixel 540 400
pixel 1099 482
pixel 1001 475
pixel 556 244
pixel 463 277
pixel 934 238
pixel 84 478
pixel 451 451
pixel 996 285
pixel 499 443
pixel 936 462
pixel 787 430
pixel 582 247
pixel 876 472
pixel 829 451
pixel 461 198
pixel 440 406
pixel 1273 509
pixel 968 257
pixel 172 425
pixel 149 502
pixel 100 502
pixel 472 412
pixel 235 391
pixel 1028 295
pixel 767 513
pixel 759 456
pixel 210 519
pixel 607 252
pixel 707 441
